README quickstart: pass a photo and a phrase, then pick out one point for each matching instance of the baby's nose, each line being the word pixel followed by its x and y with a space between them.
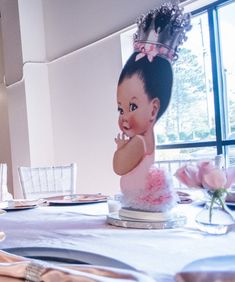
pixel 125 116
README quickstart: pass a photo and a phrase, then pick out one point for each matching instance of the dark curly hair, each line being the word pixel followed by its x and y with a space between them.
pixel 157 77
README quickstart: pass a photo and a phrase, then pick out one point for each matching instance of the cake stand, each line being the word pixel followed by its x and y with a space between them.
pixel 175 220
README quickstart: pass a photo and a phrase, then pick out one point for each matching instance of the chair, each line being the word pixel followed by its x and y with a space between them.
pixel 43 182
pixel 4 194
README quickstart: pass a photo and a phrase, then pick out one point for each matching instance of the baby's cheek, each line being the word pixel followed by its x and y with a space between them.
pixel 133 124
pixel 138 125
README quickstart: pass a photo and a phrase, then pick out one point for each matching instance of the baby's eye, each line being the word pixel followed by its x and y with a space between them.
pixel 120 110
pixel 133 107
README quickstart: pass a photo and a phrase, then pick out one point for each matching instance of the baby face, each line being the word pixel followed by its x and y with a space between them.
pixel 136 111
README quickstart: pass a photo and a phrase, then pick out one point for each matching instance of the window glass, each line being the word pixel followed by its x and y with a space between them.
pixel 230 155
pixel 190 116
pixel 227 25
pixel 199 153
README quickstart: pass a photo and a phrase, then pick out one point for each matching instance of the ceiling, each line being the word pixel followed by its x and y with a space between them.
pixel 83 22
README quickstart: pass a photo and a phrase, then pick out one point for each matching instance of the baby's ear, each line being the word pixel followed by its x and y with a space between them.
pixel 155 109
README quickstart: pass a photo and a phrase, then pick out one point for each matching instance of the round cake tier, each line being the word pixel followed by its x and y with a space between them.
pixel 144 215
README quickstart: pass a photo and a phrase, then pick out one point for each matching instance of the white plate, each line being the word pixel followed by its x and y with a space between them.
pixel 70 203
pixel 9 209
pixel 77 199
pixel 218 263
pixel 68 256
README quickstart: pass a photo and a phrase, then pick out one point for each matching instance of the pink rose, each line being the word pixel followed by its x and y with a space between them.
pixel 230 174
pixel 214 179
pixel 206 175
pixel 188 175
pixel 204 167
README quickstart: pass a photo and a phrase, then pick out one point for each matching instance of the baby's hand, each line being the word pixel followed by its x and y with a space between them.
pixel 120 140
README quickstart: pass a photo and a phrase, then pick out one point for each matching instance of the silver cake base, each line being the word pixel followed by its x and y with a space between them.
pixel 175 221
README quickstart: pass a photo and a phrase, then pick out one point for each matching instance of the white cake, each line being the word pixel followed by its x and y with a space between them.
pixel 144 215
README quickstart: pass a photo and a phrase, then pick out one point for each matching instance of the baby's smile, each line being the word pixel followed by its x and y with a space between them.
pixel 126 127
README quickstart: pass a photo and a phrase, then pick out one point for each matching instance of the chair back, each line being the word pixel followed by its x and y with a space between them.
pixel 43 182
pixel 4 194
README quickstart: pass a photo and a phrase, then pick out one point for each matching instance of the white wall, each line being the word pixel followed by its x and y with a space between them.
pixel 84 112
pixel 32 29
pixel 18 123
pixel 5 146
pixel 38 105
pixel 65 111
pixel 11 42
pixel 14 142
pixel 5 143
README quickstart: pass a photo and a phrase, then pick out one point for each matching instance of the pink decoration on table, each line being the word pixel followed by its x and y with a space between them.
pixel 153 191
pixel 156 179
pixel 214 179
pixel 206 175
pixel 189 175
pixel 158 194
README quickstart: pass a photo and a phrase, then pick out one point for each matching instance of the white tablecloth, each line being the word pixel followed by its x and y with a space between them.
pixel 84 228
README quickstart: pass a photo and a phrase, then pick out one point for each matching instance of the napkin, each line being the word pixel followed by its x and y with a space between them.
pixel 15 268
pixel 205 276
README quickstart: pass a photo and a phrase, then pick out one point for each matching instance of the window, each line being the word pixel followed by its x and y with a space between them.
pixel 200 121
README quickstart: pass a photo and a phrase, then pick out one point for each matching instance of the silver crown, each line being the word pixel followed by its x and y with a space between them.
pixel 165 27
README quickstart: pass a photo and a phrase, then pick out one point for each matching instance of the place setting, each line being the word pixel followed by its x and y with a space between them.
pixel 15 266
pixel 21 204
pixel 76 199
pixel 61 200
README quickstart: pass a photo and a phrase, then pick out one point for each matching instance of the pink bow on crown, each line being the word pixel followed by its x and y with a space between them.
pixel 146 49
pixel 152 50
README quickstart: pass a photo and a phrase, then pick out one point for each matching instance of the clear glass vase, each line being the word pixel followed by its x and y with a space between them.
pixel 217 220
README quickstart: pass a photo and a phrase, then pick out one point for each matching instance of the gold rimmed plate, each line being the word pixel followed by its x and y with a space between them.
pixel 20 208
pixel 76 199
pixel 68 256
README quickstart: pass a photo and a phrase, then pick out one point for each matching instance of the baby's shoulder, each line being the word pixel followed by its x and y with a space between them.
pixel 139 140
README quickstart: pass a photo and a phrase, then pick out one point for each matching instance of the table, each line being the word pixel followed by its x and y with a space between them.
pixel 161 253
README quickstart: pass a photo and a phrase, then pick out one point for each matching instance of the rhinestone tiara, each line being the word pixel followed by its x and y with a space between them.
pixel 161 31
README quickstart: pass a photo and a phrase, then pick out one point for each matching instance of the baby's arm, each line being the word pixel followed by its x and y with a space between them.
pixel 129 153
